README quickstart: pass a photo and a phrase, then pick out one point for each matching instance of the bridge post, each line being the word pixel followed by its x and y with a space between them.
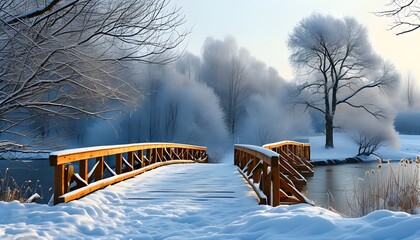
pixel 118 163
pixel 308 152
pixel 266 182
pixel 141 157
pixel 99 172
pixel 160 152
pixel 131 159
pixel 58 182
pixel 149 156
pixel 68 173
pixel 275 179
pixel 235 157
pixel 84 170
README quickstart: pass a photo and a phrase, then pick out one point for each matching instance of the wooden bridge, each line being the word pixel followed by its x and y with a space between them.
pixel 275 171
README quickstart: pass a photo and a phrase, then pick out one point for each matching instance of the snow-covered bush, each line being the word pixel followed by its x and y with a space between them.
pixel 370 139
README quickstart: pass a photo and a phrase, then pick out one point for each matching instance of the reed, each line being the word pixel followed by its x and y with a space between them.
pixel 394 188
pixel 10 190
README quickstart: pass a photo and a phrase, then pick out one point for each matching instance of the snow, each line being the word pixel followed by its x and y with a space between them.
pixel 262 150
pixel 345 148
pixel 106 147
pixel 192 201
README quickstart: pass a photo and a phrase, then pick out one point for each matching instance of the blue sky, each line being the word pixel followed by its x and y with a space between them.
pixel 263 28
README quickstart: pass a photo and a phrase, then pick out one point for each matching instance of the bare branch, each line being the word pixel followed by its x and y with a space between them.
pixel 406 15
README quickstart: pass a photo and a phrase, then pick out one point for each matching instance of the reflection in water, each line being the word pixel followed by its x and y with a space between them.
pixel 332 185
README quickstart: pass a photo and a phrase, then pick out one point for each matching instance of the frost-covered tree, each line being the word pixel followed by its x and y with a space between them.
pixel 225 69
pixel 406 15
pixel 335 64
pixel 176 108
pixel 65 58
pixel 410 91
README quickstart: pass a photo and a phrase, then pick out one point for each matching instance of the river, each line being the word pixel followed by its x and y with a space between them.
pixel 327 187
pixel 333 185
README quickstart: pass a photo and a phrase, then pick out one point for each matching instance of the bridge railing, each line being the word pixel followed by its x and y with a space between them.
pixel 265 172
pixel 261 169
pixel 297 154
pixel 99 167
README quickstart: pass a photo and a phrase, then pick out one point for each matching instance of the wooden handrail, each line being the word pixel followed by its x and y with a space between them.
pixel 130 160
pixel 272 179
pixel 296 153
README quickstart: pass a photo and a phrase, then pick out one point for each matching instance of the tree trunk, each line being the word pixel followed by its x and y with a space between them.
pixel 329 133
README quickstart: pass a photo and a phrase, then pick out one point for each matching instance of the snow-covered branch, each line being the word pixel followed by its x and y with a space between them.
pixel 69 58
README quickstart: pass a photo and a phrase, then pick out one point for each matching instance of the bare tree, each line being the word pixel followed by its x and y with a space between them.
pixel 337 64
pixel 237 91
pixel 65 58
pixel 226 69
pixel 170 119
pixel 410 91
pixel 406 15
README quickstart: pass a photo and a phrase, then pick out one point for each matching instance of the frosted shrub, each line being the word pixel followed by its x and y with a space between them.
pixel 388 187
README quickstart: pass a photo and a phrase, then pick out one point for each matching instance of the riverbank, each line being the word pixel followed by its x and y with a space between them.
pixel 345 150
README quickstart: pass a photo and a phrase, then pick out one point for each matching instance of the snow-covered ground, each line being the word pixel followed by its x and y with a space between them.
pixel 203 201
pixel 344 147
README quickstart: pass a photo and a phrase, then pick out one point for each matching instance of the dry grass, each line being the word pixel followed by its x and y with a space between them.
pixel 388 187
pixel 11 191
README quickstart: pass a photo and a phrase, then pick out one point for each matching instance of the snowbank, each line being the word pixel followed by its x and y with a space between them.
pixel 345 148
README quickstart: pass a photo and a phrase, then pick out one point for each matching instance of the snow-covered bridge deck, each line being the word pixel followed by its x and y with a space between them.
pixel 176 200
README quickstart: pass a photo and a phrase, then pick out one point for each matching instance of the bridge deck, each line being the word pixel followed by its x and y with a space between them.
pixel 202 194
